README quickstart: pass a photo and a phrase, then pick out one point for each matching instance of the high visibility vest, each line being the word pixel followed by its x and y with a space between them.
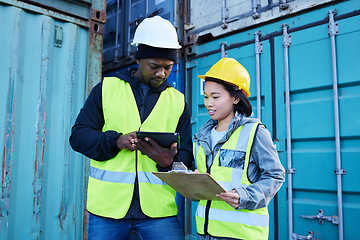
pixel 217 218
pixel 111 182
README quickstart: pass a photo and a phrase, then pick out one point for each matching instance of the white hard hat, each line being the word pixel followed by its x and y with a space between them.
pixel 156 32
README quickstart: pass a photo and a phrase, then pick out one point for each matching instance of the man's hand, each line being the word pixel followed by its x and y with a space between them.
pixel 126 141
pixel 162 156
pixel 231 197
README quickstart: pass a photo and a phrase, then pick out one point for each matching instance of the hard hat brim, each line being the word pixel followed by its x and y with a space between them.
pixel 136 44
pixel 247 93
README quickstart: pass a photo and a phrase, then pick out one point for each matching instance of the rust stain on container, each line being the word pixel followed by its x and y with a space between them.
pixel 38 171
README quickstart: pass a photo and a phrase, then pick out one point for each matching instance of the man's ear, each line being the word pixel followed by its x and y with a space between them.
pixel 137 61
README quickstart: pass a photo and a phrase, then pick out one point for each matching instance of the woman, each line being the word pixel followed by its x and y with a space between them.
pixel 239 153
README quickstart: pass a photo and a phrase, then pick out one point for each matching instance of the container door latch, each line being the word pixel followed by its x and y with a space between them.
pixel 321 217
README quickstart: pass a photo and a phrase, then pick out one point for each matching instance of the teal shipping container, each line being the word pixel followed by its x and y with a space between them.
pixel 50 57
pixel 304 63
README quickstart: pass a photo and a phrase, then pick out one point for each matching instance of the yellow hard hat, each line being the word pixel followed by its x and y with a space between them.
pixel 231 71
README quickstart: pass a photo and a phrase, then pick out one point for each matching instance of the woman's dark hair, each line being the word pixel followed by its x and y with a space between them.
pixel 243 106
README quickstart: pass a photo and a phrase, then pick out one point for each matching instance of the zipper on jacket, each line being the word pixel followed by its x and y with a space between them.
pixel 208 203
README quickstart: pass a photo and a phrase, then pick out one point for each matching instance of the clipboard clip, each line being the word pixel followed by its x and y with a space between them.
pixel 179 167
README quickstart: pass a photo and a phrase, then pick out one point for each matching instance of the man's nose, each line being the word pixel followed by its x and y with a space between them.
pixel 161 72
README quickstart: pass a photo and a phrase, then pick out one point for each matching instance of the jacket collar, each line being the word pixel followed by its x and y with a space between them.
pixel 204 132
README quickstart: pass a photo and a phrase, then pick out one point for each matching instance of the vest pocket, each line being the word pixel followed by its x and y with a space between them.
pixel 232 158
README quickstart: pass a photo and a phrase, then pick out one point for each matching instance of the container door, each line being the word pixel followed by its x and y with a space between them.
pixel 49 60
pixel 304 128
pixel 311 157
pixel 247 56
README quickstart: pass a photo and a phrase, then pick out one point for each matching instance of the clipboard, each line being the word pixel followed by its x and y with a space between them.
pixel 196 186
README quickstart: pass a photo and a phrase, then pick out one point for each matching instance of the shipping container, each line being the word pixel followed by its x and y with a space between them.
pixel 122 18
pixel 50 59
pixel 304 63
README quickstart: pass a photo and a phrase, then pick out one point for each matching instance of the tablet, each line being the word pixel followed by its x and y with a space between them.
pixel 164 139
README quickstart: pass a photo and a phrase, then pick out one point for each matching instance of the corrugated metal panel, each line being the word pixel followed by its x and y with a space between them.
pixel 219 17
pixel 313 139
pixel 78 8
pixel 123 16
pixel 44 77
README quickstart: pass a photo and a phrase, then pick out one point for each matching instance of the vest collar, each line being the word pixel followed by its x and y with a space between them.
pixel 204 134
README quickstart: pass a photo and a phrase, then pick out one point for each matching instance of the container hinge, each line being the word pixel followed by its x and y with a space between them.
pixel 258 44
pixel 256 8
pixel 286 36
pixel 284 5
pixel 223 50
pixel 321 217
pixel 340 171
pixel 291 170
pixel 333 27
pixel 310 236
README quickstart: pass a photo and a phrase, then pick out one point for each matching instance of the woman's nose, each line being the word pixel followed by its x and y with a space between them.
pixel 209 103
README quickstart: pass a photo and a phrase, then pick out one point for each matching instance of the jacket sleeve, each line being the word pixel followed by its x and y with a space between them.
pixel 185 153
pixel 266 173
pixel 87 136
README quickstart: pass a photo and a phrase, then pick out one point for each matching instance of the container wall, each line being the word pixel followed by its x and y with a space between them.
pixel 218 17
pixel 44 79
pixel 123 16
pixel 312 130
pixel 78 8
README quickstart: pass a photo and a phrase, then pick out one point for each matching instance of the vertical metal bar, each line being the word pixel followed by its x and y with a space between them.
pixel 223 50
pixel 258 51
pixel 116 58
pixel 255 7
pixel 333 31
pixel 224 14
pixel 286 44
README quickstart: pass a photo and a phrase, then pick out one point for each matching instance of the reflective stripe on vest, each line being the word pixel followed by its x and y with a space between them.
pixel 111 182
pixel 235 217
pixel 223 220
pixel 124 177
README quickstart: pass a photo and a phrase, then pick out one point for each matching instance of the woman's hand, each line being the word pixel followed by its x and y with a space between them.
pixel 231 197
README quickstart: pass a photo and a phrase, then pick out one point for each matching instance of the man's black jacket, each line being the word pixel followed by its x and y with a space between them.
pixel 87 136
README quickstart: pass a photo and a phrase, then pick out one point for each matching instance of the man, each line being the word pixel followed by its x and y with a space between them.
pixel 123 194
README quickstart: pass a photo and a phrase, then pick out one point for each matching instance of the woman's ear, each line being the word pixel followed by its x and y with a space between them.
pixel 236 100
